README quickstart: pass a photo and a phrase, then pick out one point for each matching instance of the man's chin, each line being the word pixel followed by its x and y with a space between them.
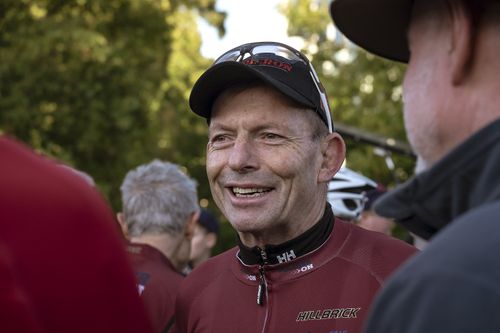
pixel 421 165
pixel 245 225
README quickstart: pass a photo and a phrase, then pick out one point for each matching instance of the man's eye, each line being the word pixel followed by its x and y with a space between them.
pixel 219 138
pixel 271 136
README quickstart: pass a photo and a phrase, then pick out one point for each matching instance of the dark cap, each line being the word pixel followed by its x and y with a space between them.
pixel 379 26
pixel 208 221
pixel 292 77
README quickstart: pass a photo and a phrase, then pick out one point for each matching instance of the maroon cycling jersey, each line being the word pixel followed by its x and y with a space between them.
pixel 62 264
pixel 157 283
pixel 328 289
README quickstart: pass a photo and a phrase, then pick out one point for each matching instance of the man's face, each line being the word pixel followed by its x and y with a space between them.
pixel 425 88
pixel 263 165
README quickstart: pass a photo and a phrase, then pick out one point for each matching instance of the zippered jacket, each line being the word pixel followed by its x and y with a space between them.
pixel 453 285
pixel 62 263
pixel 157 283
pixel 327 289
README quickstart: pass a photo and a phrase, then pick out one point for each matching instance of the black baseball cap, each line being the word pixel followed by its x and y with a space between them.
pixel 379 26
pixel 278 65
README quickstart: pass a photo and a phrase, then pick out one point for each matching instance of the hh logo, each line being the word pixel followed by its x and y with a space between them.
pixel 286 256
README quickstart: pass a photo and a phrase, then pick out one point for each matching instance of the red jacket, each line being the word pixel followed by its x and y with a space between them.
pixel 62 264
pixel 329 289
pixel 157 282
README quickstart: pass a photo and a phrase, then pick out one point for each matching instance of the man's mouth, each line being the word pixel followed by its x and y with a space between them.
pixel 240 192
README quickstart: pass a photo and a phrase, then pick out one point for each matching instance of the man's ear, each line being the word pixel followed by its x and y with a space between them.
pixel 462 41
pixel 333 155
pixel 121 221
pixel 210 240
pixel 191 225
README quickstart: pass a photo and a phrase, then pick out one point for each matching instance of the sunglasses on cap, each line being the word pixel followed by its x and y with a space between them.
pixel 245 52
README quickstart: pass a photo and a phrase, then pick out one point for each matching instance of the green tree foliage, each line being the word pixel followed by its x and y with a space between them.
pixel 103 84
pixel 364 90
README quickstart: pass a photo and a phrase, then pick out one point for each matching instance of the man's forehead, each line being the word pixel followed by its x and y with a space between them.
pixel 249 120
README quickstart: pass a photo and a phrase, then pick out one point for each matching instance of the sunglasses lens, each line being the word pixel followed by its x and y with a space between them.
pixel 278 51
pixel 229 56
pixel 248 50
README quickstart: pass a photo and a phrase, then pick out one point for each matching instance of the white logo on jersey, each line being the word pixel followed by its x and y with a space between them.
pixel 252 277
pixel 140 288
pixel 284 257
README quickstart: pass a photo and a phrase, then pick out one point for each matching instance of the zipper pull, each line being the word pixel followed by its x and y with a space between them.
pixel 262 286
pixel 263 256
pixel 262 278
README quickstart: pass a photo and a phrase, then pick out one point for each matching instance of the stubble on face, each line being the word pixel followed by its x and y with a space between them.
pixel 260 143
pixel 425 86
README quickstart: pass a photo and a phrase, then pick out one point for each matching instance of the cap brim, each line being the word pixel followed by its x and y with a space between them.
pixel 379 26
pixel 224 75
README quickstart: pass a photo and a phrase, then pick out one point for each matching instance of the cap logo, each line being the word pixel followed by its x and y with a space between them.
pixel 269 62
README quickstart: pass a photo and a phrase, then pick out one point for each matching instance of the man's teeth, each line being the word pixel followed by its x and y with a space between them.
pixel 249 192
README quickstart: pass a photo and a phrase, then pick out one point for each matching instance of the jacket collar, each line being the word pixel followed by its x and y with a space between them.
pixel 465 178
pixel 292 249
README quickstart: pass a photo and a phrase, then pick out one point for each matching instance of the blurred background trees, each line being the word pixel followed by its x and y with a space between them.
pixel 103 85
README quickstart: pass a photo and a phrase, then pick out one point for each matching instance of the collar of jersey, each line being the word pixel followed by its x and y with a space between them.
pixel 303 244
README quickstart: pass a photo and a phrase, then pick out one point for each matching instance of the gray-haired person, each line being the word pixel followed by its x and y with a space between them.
pixel 452 117
pixel 160 209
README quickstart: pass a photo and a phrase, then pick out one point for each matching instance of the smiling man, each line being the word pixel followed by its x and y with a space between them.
pixel 271 152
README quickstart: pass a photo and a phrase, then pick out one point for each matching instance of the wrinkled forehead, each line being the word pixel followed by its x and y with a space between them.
pixel 261 106
pixel 256 89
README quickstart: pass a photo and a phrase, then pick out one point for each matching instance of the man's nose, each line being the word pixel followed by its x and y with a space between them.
pixel 243 156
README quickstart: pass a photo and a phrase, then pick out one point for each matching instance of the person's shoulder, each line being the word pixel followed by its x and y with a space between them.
pixel 382 242
pixel 154 265
pixel 24 171
pixel 376 252
pixel 460 263
pixel 215 265
pixel 74 226
pixel 207 273
pixel 468 244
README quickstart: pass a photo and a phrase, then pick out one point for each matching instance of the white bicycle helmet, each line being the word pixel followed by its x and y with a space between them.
pixel 347 193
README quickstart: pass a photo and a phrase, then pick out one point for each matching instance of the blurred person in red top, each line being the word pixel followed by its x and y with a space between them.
pixel 62 264
pixel 160 209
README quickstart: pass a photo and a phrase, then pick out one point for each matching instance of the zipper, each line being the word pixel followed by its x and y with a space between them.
pixel 262 289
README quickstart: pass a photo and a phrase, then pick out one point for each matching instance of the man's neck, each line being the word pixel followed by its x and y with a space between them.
pixel 165 243
pixel 200 259
pixel 305 243
pixel 282 234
